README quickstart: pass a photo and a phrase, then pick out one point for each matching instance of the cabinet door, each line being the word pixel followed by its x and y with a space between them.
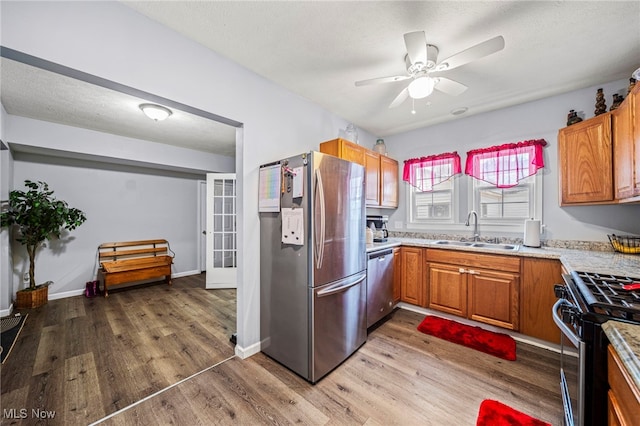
pixel 537 298
pixel 635 119
pixel 585 161
pixel 493 297
pixel 344 149
pixel 388 182
pixel 372 177
pixel 397 275
pixel 411 279
pixel 447 288
pixel 623 151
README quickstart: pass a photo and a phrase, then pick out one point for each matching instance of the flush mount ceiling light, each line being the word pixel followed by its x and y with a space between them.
pixel 421 87
pixel 155 112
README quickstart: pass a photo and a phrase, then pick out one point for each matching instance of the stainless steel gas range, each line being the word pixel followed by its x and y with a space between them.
pixel 585 302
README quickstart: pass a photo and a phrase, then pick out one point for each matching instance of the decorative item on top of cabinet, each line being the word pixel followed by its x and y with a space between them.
pixel 617 100
pixel 601 106
pixel 381 172
pixel 585 162
pixel 572 118
pixel 380 147
pixel 632 82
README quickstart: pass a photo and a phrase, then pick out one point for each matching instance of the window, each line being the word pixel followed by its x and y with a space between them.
pixel 432 191
pixel 433 205
pixel 506 189
pixel 503 205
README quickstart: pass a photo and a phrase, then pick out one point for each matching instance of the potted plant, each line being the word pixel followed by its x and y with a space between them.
pixel 38 217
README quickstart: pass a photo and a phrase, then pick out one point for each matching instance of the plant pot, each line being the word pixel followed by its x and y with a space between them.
pixel 29 299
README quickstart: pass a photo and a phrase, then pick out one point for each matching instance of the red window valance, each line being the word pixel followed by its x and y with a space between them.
pixel 505 165
pixel 425 172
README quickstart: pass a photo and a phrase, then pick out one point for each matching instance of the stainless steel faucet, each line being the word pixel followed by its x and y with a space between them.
pixel 476 236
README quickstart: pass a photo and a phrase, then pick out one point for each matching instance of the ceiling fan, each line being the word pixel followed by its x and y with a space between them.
pixel 422 61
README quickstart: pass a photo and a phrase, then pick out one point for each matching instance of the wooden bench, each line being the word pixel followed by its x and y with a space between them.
pixel 130 261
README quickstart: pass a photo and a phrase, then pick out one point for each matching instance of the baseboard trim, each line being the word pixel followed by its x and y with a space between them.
pixel 244 353
pixel 65 294
pixel 185 274
pixel 6 312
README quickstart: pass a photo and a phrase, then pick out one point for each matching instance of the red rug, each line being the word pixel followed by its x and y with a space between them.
pixel 496 344
pixel 494 413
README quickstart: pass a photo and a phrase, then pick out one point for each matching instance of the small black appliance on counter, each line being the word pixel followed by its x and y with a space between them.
pixel 381 234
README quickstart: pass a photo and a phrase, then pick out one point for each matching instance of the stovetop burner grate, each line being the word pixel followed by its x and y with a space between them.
pixel 605 294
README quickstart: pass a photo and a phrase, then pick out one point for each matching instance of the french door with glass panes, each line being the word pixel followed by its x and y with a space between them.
pixel 221 230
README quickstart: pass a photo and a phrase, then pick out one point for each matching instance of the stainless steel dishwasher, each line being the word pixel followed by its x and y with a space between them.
pixel 379 285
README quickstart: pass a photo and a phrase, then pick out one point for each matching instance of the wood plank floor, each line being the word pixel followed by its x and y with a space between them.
pixel 400 376
pixel 87 358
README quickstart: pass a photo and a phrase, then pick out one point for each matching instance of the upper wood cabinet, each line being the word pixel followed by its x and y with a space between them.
pixel 634 101
pixel 381 172
pixel 599 158
pixel 388 182
pixel 622 132
pixel 585 162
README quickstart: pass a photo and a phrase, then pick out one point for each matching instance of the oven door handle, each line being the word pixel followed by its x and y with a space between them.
pixel 566 330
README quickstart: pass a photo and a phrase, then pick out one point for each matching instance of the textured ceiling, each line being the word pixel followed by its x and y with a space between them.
pixel 318 49
pixel 29 91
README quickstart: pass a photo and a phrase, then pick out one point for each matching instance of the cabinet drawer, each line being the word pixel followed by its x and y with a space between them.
pixel 477 260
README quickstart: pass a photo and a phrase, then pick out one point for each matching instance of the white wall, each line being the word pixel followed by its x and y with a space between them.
pixel 111 41
pixel 121 203
pixel 6 183
pixel 534 120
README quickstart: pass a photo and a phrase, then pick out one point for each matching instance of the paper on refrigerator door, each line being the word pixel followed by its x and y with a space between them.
pixel 293 226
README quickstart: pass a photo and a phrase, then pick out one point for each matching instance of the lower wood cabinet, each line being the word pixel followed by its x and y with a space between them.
pixel 537 298
pixel 480 287
pixel 397 275
pixel 624 395
pixel 412 288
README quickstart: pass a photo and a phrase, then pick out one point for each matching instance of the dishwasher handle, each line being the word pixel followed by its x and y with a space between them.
pixel 379 253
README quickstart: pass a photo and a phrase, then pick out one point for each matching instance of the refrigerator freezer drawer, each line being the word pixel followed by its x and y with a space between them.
pixel 339 323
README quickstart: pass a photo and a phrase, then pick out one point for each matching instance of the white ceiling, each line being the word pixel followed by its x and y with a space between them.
pixel 318 49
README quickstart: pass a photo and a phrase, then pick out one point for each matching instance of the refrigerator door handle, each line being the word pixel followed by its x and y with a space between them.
pixel 319 240
pixel 342 285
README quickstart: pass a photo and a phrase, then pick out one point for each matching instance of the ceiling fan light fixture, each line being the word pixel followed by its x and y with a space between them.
pixel 421 87
pixel 156 112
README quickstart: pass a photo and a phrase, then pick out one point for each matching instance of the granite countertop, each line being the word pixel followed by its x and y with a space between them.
pixel 625 339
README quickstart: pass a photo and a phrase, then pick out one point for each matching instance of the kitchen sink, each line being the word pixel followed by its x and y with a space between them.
pixel 454 243
pixel 493 246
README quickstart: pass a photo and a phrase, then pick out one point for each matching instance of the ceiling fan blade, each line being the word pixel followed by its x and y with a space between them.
pixel 416 43
pixel 471 54
pixel 450 87
pixel 382 80
pixel 400 98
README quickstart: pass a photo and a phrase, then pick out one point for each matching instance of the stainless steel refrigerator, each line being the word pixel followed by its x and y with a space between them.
pixel 313 289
